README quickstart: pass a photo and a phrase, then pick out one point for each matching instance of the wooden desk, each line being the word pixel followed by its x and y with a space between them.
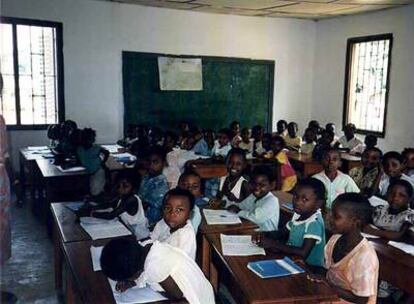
pixel 247 287
pixel 204 230
pixel 304 163
pixel 349 162
pixel 209 168
pixel 83 284
pixel 285 213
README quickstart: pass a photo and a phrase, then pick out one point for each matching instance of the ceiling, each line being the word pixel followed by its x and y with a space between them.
pixel 308 9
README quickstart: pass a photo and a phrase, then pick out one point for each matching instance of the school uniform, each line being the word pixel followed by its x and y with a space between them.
pixel 287 173
pixel 220 151
pixel 383 219
pixel 258 147
pixel 293 141
pixel 181 268
pixel 385 183
pixel 363 180
pixel 307 148
pixel 248 147
pixel 342 183
pixel 152 191
pixel 201 148
pixel 236 190
pixel 311 228
pixel 356 272
pixel 183 238
pixel 264 211
pixel 349 144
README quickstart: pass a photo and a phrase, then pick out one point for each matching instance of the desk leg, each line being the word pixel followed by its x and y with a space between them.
pixel 214 279
pixel 70 293
pixel 58 258
pixel 205 256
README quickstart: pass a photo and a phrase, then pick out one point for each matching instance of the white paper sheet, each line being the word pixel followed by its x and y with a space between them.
pixel 96 256
pixel 221 217
pixel 102 229
pixel 37 148
pixel 407 248
pixel 112 148
pixel 239 245
pixel 135 295
pixel 369 236
pixel 351 157
pixel 72 169
pixel 124 156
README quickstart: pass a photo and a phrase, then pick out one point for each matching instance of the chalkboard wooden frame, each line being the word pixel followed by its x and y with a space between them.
pixel 269 63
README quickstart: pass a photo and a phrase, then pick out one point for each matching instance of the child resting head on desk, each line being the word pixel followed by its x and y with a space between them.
pixel 154 185
pixel 305 232
pixel 175 227
pixel 351 261
pixel 261 207
pixel 164 268
pixel 233 187
pixel 127 205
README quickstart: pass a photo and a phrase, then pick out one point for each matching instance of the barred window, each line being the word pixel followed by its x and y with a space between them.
pixel 31 64
pixel 367 83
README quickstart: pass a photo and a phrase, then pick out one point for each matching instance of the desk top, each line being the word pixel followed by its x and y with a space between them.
pixel 206 229
pixel 91 286
pixel 32 155
pixel 249 288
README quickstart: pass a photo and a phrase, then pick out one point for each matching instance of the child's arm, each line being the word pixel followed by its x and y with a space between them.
pixel 105 154
pixel 172 291
pixel 349 296
pixel 129 205
pixel 390 235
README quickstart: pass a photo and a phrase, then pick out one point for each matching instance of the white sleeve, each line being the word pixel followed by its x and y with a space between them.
pixel 262 212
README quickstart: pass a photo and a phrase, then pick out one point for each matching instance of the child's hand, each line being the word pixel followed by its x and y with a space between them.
pixel 215 203
pixel 124 285
pixel 268 243
pixel 233 209
pixel 231 196
pixel 316 278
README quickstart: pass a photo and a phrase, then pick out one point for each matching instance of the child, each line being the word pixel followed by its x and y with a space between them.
pixel 306 229
pixel 368 176
pixel 266 145
pixel 175 227
pixel 288 174
pixel 191 181
pixel 170 141
pixel 233 187
pixel 370 141
pixel 124 260
pixel 292 140
pixel 257 136
pixel 348 141
pixel 127 206
pixel 315 126
pixel 334 180
pixel 200 146
pixel 331 128
pixel 246 142
pixel 154 185
pixel 209 137
pixel 235 133
pixel 261 207
pixel 351 261
pixel 93 158
pixel 394 220
pixel 408 155
pixel 281 128
pixel 392 163
pixel 222 144
pixel 140 146
pixel 324 144
pixel 310 141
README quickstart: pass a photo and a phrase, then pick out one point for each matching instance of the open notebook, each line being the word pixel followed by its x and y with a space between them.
pixel 102 229
pixel 274 268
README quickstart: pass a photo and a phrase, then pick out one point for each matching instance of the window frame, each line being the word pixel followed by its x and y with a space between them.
pixel 348 67
pixel 59 69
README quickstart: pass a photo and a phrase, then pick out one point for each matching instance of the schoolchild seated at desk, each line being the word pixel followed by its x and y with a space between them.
pixel 324 144
pixel 161 266
pixel 305 232
pixel 93 158
pixel 350 260
pixel 233 187
pixel 309 143
pixel 370 141
pixel 265 148
pixel 408 155
pixel 257 137
pixel 292 140
pixel 154 185
pixel 334 180
pixel 175 227
pixel 222 145
pixel 349 140
pixel 200 145
pixel 127 205
pixel 261 207
pixel 246 142
pixel 287 174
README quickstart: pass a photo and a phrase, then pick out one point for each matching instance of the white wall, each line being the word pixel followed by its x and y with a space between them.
pixel 95 33
pixel 329 71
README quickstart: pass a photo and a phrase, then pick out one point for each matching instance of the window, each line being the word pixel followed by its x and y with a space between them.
pixel 367 83
pixel 31 64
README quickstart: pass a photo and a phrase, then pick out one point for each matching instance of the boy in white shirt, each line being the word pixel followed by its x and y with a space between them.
pixel 348 141
pixel 261 207
pixel 163 267
pixel 222 145
pixel 334 180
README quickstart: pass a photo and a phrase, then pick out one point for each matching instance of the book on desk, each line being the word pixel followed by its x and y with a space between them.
pixel 274 268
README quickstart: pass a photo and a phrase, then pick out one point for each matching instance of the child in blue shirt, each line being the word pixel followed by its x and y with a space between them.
pixel 93 158
pixel 305 232
pixel 154 185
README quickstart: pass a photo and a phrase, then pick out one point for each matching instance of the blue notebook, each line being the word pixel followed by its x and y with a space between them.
pixel 274 268
pixel 288 206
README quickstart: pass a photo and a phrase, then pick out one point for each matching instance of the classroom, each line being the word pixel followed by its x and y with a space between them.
pixel 264 146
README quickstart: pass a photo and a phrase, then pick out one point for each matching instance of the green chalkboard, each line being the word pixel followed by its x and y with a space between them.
pixel 233 89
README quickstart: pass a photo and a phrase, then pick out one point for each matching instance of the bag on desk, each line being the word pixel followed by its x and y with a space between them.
pixel 274 268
